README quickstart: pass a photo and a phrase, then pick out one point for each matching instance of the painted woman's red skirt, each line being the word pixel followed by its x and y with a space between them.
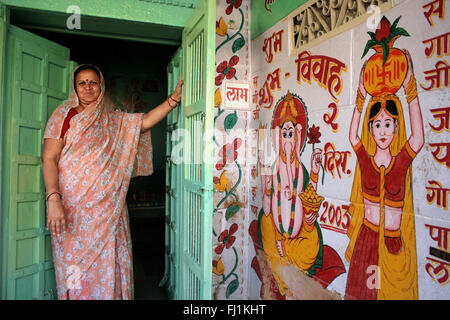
pixel 365 255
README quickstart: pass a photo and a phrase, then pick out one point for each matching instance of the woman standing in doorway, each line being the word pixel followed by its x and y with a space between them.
pixel 90 153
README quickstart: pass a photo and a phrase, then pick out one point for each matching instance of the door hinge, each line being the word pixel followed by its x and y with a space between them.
pixel 170 192
pixel 171 224
pixel 169 161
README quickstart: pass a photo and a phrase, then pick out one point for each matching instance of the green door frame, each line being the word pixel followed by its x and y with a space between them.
pixel 198 121
pixel 174 185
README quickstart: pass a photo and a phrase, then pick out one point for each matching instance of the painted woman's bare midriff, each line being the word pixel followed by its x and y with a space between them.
pixel 393 216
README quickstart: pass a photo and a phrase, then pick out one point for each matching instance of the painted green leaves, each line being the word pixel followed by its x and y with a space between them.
pixel 230 121
pixel 232 287
pixel 232 210
pixel 238 44
pixel 384 36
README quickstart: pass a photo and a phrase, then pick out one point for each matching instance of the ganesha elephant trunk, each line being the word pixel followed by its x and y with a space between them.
pixel 288 148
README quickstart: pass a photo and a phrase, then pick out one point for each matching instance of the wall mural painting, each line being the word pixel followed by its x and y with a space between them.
pixel 229 202
pixel 311 240
pixel 382 228
pixel 287 229
pixel 287 234
pixel 379 219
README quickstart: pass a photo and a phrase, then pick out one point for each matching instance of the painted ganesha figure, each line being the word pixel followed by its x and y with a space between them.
pixel 289 232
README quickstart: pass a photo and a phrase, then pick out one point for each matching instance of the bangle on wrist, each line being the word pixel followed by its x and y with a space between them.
pixel 359 101
pixel 411 89
pixel 171 107
pixel 176 101
pixel 52 193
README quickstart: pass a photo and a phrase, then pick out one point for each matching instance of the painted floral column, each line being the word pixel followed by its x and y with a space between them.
pixel 230 237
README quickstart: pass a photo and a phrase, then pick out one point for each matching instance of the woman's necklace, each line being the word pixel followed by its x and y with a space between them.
pixel 294 197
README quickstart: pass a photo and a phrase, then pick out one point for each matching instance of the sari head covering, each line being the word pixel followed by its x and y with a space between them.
pixel 143 165
pixel 398 272
pixel 102 150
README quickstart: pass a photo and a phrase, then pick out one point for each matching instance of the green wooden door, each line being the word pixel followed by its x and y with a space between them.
pixel 173 185
pixel 4 21
pixel 198 121
pixel 38 80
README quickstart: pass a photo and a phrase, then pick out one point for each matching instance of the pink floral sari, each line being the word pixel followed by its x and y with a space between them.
pixel 103 149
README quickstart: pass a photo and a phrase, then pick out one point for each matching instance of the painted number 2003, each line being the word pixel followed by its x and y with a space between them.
pixel 335 218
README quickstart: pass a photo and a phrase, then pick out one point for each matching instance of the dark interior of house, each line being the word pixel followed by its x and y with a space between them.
pixel 135 73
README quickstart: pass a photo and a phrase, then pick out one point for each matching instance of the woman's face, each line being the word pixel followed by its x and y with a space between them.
pixel 383 129
pixel 88 86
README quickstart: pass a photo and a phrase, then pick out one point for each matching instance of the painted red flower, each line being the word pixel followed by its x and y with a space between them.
pixel 228 153
pixel 314 135
pixel 384 29
pixel 226 70
pixel 226 238
pixel 232 3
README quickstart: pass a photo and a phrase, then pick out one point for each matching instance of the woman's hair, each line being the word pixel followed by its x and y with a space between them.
pixel 85 67
pixel 390 107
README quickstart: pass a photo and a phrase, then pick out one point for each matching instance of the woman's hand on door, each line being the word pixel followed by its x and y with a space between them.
pixel 176 95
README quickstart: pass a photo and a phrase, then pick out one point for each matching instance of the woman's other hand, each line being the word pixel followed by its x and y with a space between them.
pixel 56 219
pixel 50 158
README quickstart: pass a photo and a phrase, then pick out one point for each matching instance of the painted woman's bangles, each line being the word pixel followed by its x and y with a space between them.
pixel 360 100
pixel 411 89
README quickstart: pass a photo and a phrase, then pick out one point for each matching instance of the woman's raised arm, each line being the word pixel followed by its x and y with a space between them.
pixel 416 140
pixel 361 96
pixel 160 112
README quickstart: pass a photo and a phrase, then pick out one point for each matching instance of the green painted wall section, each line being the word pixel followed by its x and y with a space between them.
pixel 132 10
pixel 262 19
